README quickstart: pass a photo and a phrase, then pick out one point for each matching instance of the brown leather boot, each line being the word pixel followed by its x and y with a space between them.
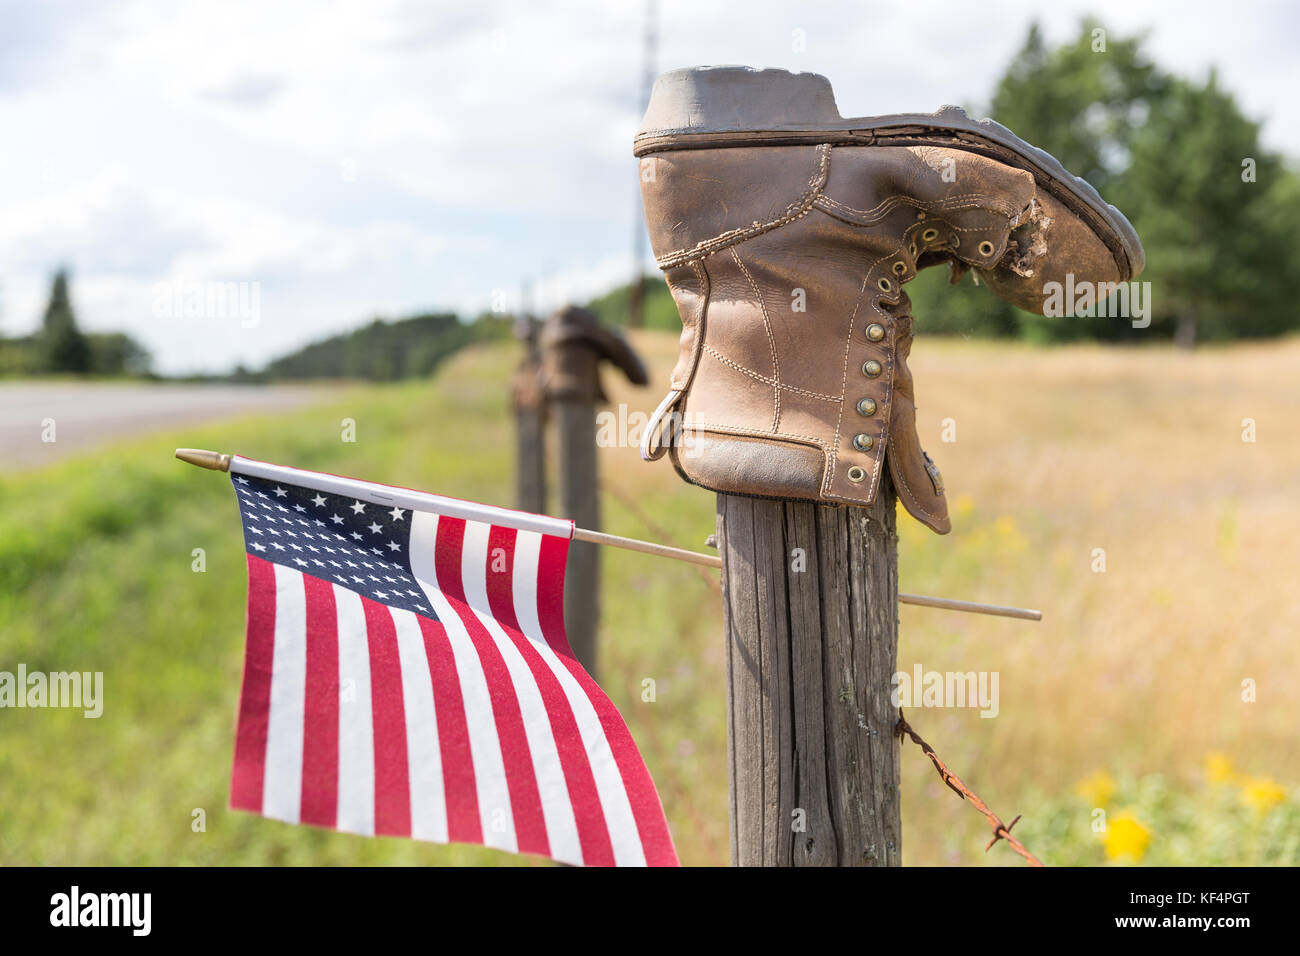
pixel 786 234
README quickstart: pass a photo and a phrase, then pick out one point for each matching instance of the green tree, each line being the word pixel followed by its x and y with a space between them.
pixel 63 347
pixel 116 353
pixel 1083 102
pixel 1220 236
pixel 1217 215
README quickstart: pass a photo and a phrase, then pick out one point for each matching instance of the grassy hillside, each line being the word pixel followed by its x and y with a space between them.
pixel 1128 696
pixel 386 351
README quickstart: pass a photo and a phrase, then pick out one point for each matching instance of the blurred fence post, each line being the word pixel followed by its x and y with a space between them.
pixel 574 345
pixel 810 603
pixel 529 404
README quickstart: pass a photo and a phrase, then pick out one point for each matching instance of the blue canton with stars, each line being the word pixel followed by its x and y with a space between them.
pixel 359 545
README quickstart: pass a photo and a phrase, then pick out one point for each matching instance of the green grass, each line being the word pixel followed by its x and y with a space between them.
pixel 96 575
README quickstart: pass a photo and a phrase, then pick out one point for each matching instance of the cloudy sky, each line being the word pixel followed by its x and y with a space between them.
pixel 376 158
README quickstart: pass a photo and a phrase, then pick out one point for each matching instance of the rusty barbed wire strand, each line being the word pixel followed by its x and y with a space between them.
pixel 1001 831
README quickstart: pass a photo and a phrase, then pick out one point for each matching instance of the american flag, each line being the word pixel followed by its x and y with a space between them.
pixel 407 673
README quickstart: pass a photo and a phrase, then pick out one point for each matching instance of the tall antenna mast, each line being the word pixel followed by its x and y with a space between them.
pixel 650 48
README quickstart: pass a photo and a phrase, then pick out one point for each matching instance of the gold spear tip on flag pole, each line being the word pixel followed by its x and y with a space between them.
pixel 212 460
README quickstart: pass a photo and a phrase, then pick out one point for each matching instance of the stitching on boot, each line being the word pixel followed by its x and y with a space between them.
pixel 883 208
pixel 771 341
pixel 856 217
pixel 703 276
pixel 724 429
pixel 796 210
pixel 715 354
pixel 844 383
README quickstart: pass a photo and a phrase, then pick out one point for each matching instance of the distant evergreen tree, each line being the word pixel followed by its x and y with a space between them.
pixel 63 347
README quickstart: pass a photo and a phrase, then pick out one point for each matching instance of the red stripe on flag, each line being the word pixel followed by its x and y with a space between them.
pixel 463 822
pixel 521 776
pixel 593 833
pixel 255 696
pixel 646 808
pixel 320 737
pixel 392 778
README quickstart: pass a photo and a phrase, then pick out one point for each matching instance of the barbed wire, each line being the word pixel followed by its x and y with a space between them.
pixel 902 729
pixel 1001 831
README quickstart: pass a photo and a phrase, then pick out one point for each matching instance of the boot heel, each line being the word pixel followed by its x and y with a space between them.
pixel 734 99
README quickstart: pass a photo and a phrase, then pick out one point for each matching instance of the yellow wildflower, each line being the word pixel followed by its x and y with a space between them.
pixel 1096 789
pixel 1218 768
pixel 1008 534
pixel 1126 838
pixel 1261 793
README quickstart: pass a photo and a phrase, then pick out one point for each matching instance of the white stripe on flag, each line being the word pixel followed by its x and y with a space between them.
pixel 485 746
pixel 356 809
pixel 557 810
pixel 619 820
pixel 282 780
pixel 423 754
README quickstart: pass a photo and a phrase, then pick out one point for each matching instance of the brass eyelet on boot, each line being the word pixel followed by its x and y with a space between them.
pixel 885 285
pixel 866 407
pixel 856 475
pixel 900 267
pixel 930 235
pixel 871 368
pixel 863 442
pixel 875 331
pixel 986 248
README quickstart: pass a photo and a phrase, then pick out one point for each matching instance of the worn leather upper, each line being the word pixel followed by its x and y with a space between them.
pixel 787 264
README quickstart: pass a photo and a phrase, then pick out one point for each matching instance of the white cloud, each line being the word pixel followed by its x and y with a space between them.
pixel 382 157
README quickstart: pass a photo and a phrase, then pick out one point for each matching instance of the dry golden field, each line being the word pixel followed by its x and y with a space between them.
pixel 1136 672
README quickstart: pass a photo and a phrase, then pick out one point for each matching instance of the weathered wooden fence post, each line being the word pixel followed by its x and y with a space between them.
pixel 575 343
pixel 810 603
pixel 529 404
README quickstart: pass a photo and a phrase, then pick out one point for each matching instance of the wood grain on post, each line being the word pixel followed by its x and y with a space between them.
pixel 811 655
pixel 575 421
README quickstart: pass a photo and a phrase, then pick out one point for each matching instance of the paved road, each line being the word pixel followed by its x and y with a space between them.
pixel 88 414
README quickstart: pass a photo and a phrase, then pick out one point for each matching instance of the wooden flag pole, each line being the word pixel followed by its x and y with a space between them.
pixel 216 461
